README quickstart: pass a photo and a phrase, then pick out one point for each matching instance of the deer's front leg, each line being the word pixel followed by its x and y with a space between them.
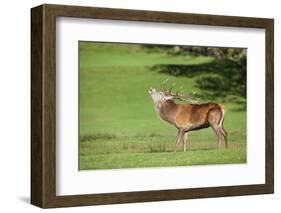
pixel 179 138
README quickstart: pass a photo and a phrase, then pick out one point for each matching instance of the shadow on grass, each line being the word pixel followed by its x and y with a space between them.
pixel 219 79
pixel 170 148
pixel 109 136
pixel 92 137
pixel 201 149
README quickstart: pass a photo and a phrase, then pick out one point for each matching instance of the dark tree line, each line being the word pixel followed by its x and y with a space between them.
pixel 222 78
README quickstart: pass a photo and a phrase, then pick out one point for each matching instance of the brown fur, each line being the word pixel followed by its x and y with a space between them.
pixel 190 117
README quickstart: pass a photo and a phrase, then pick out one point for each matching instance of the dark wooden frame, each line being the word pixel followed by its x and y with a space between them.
pixel 43 106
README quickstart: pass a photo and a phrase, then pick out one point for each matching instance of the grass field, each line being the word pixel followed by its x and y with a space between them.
pixel 119 127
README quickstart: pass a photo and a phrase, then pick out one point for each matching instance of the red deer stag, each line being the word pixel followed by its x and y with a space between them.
pixel 188 117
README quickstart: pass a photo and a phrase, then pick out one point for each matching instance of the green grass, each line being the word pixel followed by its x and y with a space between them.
pixel 167 159
pixel 119 127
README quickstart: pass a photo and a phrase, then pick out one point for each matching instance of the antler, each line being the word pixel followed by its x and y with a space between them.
pixel 179 94
pixel 163 87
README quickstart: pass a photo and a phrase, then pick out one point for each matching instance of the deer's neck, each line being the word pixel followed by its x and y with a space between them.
pixel 167 110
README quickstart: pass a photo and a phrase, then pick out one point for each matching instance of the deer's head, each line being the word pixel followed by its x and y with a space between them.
pixel 159 97
pixel 164 94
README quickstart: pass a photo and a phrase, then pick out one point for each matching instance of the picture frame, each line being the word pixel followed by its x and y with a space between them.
pixel 43 105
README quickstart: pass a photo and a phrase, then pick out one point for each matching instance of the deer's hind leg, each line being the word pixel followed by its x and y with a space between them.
pixel 179 138
pixel 219 136
pixel 225 134
pixel 214 118
pixel 223 131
